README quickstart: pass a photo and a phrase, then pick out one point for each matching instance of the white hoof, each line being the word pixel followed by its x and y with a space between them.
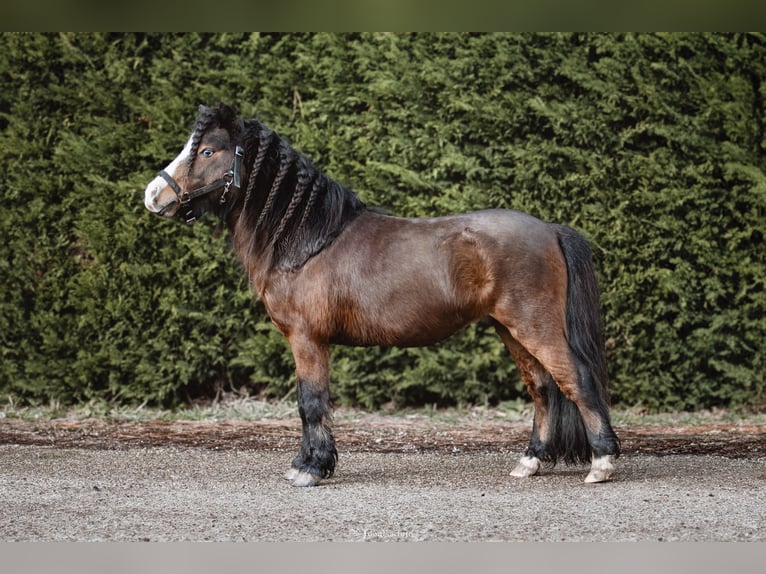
pixel 291 474
pixel 527 466
pixel 601 469
pixel 305 479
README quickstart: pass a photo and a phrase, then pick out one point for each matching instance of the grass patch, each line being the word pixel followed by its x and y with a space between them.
pixel 236 408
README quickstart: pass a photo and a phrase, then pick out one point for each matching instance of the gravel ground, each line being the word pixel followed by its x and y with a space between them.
pixel 187 493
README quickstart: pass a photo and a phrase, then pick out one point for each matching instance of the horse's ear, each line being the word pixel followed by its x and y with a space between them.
pixel 227 115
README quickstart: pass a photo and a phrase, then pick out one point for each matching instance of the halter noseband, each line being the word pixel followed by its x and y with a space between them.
pixel 229 179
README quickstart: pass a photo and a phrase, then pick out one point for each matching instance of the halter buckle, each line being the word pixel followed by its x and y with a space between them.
pixel 228 179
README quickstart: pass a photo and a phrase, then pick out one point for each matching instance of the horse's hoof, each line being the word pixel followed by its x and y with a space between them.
pixel 305 479
pixel 527 466
pixel 601 470
pixel 291 474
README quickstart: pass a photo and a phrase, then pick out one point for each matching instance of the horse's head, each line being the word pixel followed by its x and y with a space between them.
pixel 205 175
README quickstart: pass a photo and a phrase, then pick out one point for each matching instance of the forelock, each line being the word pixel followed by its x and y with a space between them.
pixel 207 118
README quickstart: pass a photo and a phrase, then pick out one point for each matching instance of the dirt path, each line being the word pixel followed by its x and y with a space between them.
pixel 373 433
pixel 397 480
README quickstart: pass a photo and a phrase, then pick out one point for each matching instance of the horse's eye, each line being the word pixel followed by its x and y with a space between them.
pixel 207 152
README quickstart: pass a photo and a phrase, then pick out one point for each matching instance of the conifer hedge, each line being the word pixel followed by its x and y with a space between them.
pixel 652 145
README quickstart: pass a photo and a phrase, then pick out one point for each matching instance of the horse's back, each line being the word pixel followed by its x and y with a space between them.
pixel 508 223
pixel 492 241
pixel 510 238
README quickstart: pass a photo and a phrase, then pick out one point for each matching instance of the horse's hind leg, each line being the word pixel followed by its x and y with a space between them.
pixel 578 385
pixel 571 415
pixel 594 408
pixel 318 455
pixel 535 378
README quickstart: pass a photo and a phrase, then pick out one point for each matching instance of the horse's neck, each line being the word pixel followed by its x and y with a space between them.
pixel 261 254
pixel 256 262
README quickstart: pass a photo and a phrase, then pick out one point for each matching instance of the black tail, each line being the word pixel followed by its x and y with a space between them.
pixel 569 437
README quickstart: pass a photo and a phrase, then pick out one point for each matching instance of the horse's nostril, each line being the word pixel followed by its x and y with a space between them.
pixel 150 197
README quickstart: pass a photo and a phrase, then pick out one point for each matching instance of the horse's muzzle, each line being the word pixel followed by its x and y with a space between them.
pixel 152 196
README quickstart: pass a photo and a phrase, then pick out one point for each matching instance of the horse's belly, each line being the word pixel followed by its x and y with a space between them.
pixel 417 324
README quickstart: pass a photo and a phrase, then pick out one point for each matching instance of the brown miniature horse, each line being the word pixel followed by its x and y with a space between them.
pixel 330 270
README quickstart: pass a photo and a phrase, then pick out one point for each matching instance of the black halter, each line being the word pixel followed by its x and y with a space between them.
pixel 229 179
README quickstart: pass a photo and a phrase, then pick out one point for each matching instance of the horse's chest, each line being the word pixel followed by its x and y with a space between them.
pixel 297 305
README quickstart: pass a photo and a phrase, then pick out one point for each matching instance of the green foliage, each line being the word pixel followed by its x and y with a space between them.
pixel 652 145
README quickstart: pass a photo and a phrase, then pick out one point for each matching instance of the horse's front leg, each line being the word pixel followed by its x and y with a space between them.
pixel 317 457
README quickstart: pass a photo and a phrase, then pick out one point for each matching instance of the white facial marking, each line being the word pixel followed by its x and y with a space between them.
pixel 158 183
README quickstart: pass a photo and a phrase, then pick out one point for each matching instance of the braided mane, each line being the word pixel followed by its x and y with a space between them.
pixel 290 209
